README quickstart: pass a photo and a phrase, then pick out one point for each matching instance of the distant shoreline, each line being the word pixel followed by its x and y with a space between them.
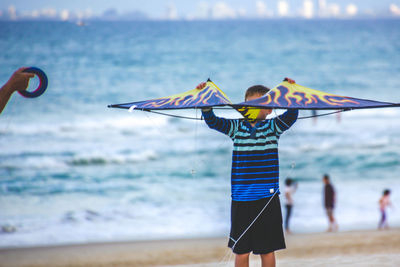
pixel 296 19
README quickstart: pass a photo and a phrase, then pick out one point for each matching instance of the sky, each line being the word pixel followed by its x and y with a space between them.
pixel 157 8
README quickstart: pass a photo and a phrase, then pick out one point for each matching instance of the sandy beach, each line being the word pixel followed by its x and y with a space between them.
pixel 355 248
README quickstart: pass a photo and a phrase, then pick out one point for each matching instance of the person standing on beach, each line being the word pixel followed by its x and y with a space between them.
pixel 329 203
pixel 384 202
pixel 256 216
pixel 18 81
pixel 290 189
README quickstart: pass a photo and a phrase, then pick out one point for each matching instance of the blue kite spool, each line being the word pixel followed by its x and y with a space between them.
pixel 42 86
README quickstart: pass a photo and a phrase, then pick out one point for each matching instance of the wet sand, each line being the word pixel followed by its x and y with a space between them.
pixel 355 248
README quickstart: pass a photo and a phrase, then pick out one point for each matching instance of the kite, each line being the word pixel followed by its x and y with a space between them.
pixel 283 96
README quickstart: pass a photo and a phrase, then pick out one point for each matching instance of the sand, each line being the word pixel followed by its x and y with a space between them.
pixel 355 248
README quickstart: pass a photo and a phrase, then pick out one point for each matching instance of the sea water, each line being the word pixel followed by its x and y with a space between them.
pixel 74 171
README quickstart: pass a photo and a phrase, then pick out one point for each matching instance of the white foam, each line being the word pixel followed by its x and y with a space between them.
pixel 85 124
pixel 104 158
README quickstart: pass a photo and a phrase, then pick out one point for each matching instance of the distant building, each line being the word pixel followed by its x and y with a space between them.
pixel 283 8
pixel 262 11
pixel 12 13
pixel 321 8
pixel 172 12
pixel 394 10
pixel 204 11
pixel 334 10
pixel 222 10
pixel 308 9
pixel 329 10
pixel 64 15
pixel 351 10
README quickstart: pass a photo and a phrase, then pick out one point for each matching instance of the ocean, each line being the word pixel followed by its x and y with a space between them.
pixel 74 171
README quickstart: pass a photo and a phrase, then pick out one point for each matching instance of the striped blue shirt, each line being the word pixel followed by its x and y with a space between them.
pixel 255 163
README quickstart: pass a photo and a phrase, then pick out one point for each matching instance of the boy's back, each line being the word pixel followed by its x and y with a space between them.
pixel 255 162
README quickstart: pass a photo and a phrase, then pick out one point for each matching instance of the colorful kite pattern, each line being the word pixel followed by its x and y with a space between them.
pixel 286 95
pixel 210 96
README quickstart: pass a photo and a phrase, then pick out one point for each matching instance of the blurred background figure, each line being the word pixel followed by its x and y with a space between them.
pixel 338 117
pixel 290 189
pixel 18 81
pixel 384 202
pixel 329 202
pixel 314 115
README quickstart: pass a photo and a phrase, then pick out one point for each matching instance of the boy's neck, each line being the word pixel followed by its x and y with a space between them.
pixel 255 122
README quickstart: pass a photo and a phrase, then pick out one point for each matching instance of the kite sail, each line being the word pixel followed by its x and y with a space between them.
pixel 210 96
pixel 284 96
pixel 293 96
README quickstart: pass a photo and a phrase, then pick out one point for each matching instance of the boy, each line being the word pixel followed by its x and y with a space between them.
pixel 256 217
pixel 384 202
pixel 290 189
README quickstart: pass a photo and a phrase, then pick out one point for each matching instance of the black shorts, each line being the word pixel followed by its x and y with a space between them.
pixel 265 235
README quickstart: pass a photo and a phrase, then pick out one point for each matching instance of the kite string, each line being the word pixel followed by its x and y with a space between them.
pixel 11 107
pixel 197 160
pixel 196 118
pixel 261 211
pixel 259 214
pixel 172 115
pixel 194 167
pixel 251 224
pixel 226 259
pixel 217 147
pixel 324 114
pixel 193 170
pixel 266 205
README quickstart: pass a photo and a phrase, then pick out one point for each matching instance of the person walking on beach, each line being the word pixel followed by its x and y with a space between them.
pixel 384 202
pixel 290 189
pixel 256 216
pixel 18 81
pixel 329 203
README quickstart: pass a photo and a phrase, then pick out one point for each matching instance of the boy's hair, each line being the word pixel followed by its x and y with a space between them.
pixel 386 192
pixel 256 89
pixel 288 181
pixel 326 177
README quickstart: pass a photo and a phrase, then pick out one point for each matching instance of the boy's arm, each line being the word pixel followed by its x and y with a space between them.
pixel 5 93
pixel 286 120
pixel 18 81
pixel 222 125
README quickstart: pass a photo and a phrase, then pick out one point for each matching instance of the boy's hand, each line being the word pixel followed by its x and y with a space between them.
pixel 289 80
pixel 19 80
pixel 201 86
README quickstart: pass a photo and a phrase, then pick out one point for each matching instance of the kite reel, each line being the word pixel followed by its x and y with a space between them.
pixel 42 85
